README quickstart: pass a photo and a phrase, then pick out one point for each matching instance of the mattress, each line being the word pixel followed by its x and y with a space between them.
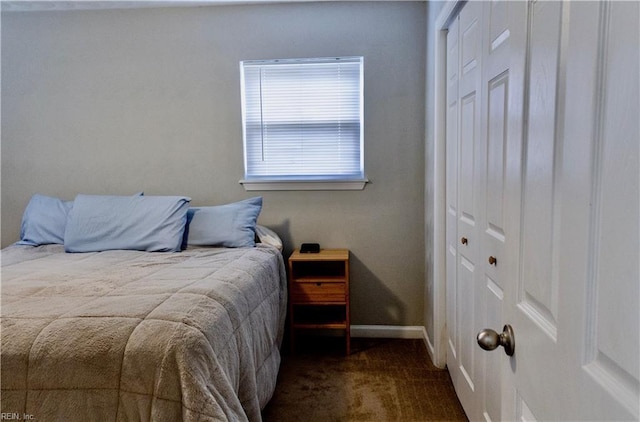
pixel 128 335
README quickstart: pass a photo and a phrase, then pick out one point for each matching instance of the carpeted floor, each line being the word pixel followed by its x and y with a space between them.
pixel 382 380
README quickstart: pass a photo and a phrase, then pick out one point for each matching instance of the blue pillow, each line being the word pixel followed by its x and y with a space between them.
pixel 145 223
pixel 44 221
pixel 231 225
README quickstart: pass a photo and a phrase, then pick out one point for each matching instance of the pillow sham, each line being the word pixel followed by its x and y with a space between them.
pixel 231 225
pixel 44 221
pixel 145 223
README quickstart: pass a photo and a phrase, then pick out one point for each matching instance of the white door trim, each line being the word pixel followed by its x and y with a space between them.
pixel 438 272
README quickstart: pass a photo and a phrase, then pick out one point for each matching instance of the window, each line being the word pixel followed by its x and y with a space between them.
pixel 302 123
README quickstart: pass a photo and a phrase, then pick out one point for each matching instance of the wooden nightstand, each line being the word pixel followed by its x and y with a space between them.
pixel 319 292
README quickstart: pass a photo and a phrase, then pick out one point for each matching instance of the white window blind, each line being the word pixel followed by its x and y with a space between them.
pixel 302 119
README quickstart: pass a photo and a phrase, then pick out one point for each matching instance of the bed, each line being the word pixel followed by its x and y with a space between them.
pixel 128 335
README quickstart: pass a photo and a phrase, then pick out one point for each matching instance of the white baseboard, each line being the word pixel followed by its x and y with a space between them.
pixel 430 348
pixel 389 331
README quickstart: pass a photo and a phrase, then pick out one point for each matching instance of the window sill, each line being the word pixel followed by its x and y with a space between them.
pixel 265 185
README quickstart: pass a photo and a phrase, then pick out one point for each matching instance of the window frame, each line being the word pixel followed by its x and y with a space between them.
pixel 309 182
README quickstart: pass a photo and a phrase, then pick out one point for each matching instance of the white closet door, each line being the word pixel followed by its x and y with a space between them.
pixel 453 329
pixel 464 211
pixel 573 297
pixel 492 161
pixel 543 176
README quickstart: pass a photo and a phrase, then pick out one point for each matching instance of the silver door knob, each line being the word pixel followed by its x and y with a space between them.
pixel 490 340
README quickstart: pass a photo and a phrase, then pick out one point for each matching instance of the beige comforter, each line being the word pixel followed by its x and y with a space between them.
pixel 129 336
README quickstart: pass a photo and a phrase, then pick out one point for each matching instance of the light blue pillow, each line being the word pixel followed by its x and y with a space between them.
pixel 231 225
pixel 44 221
pixel 146 223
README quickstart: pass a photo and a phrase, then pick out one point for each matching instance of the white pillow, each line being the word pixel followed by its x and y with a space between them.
pixel 268 237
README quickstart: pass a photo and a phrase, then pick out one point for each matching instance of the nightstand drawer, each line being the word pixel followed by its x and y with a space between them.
pixel 318 292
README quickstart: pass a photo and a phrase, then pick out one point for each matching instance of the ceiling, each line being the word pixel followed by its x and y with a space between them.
pixel 43 5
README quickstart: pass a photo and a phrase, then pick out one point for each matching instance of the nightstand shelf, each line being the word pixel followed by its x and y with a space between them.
pixel 320 316
pixel 319 292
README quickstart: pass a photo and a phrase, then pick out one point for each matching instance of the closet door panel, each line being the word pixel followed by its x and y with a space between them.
pixel 498 89
pixel 615 254
pixel 469 294
pixel 453 59
pixel 539 282
pixel 468 139
pixel 495 71
pixel 470 39
pixel 611 357
pixel 463 239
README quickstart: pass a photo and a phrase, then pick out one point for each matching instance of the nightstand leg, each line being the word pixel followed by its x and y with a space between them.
pixel 292 345
pixel 348 342
pixel 292 333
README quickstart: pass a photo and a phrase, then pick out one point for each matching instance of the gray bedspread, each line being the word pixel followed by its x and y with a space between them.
pixel 129 336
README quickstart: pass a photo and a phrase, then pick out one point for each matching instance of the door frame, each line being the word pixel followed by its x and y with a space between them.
pixel 438 344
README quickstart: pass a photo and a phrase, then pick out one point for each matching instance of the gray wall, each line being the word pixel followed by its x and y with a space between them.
pixel 120 101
